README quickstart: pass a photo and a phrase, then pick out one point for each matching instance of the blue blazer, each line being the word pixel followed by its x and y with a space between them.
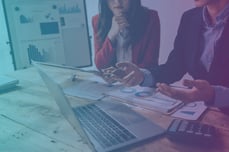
pixel 188 47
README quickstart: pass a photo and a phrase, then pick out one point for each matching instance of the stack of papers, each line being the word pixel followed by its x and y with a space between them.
pixel 7 83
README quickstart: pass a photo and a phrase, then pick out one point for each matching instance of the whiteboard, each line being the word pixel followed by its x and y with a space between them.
pixel 49 31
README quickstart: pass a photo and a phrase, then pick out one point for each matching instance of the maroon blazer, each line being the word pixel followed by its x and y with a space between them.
pixel 145 50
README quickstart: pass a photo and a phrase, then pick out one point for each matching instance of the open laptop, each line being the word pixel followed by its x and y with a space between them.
pixel 104 125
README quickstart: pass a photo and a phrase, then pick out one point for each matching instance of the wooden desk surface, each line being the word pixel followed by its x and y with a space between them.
pixel 31 121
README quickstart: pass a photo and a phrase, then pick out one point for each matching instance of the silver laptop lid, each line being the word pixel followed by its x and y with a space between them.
pixel 139 128
pixel 63 104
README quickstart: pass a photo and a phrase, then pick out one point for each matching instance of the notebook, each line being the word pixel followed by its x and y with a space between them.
pixel 104 125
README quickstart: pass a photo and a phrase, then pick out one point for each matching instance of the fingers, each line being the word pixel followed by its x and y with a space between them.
pixel 199 84
pixel 126 73
pixel 135 75
pixel 203 90
pixel 183 95
pixel 120 18
pixel 119 13
pixel 114 72
pixel 109 79
pixel 121 21
pixel 129 80
pixel 126 66
pixel 119 74
pixel 164 89
pixel 107 75
pixel 108 70
pixel 189 83
pixel 122 64
pixel 118 24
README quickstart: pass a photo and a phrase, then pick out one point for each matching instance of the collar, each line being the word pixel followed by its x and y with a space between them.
pixel 222 17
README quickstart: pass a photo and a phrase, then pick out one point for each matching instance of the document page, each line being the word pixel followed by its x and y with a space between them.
pixel 191 111
pixel 146 98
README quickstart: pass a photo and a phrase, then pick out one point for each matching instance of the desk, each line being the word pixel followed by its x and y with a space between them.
pixel 31 121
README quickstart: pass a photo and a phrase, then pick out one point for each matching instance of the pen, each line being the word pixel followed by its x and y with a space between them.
pixel 131 73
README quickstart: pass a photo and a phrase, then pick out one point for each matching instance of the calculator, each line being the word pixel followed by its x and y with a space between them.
pixel 191 132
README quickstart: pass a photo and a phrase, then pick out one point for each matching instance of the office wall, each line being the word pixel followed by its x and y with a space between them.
pixel 170 12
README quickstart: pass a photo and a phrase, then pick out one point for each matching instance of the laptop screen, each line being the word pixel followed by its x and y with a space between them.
pixel 63 104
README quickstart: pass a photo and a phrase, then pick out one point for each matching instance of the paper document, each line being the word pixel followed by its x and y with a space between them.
pixel 87 89
pixel 146 98
pixel 191 111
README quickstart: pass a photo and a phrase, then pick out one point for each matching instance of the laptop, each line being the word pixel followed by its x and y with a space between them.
pixel 103 125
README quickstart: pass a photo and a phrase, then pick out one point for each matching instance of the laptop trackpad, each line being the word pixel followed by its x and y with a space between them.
pixel 125 115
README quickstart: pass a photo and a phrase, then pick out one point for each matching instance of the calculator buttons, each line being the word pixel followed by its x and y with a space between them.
pixel 191 131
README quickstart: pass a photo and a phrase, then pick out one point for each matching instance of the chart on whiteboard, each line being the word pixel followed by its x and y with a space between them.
pixel 49 31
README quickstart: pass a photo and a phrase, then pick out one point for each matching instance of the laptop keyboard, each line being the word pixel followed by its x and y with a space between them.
pixel 107 131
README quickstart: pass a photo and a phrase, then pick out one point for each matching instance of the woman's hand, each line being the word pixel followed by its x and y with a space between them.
pixel 119 23
pixel 125 72
pixel 107 75
pixel 108 78
pixel 200 90
pixel 134 76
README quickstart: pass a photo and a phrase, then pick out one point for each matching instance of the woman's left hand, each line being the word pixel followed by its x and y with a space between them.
pixel 200 90
pixel 134 76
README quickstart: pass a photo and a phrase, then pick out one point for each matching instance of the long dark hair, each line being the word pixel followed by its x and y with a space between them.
pixel 105 19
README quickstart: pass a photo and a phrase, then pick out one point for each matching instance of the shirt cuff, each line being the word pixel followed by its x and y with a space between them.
pixel 221 96
pixel 148 80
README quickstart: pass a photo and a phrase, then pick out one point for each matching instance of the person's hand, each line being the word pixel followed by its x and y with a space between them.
pixel 134 76
pixel 107 75
pixel 108 79
pixel 200 90
pixel 119 23
pixel 112 74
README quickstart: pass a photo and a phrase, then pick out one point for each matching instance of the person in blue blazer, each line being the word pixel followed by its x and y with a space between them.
pixel 201 48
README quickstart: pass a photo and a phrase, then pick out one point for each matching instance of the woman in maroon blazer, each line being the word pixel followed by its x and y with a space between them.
pixel 126 31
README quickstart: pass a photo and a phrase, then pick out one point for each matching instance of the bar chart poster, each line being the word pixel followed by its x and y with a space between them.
pixel 50 31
